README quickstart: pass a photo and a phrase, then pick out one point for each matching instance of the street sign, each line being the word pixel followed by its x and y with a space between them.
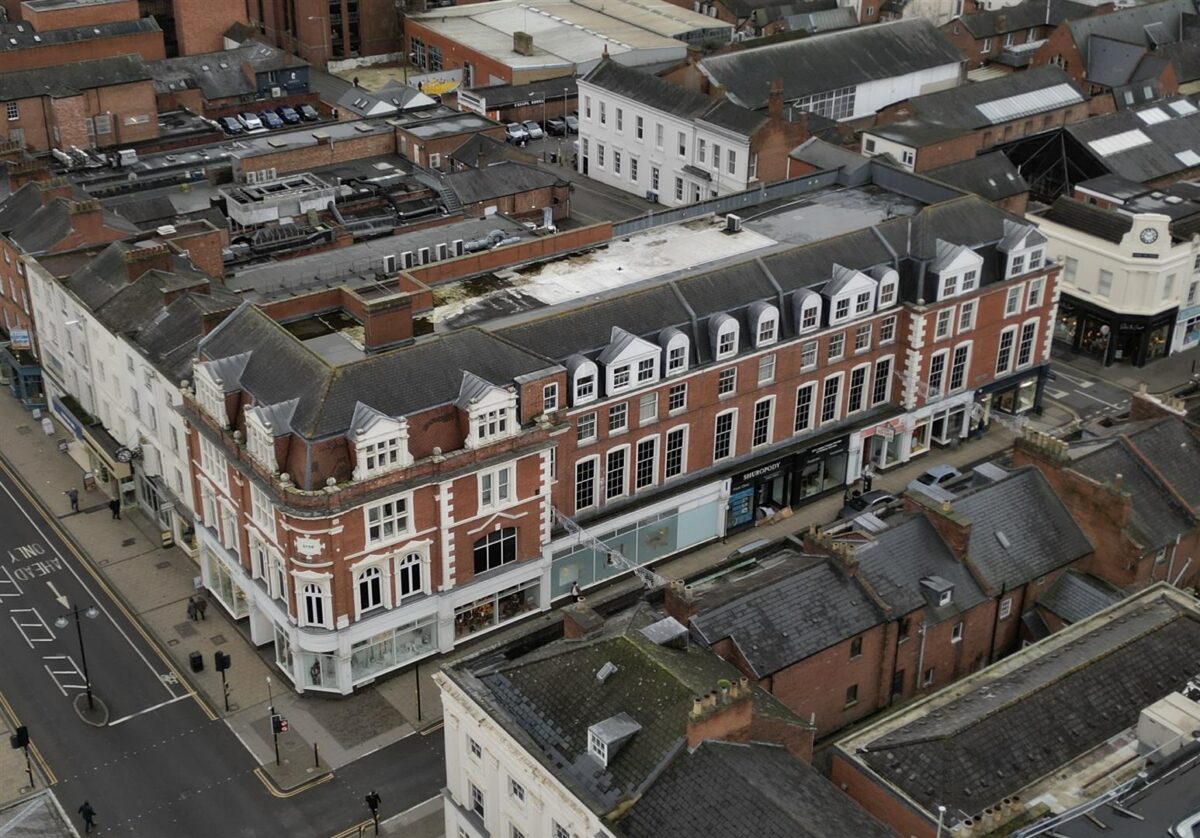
pixel 283 725
pixel 279 724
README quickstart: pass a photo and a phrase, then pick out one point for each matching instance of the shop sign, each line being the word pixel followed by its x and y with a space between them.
pixel 20 338
pixel 833 447
pixel 1132 327
pixel 761 471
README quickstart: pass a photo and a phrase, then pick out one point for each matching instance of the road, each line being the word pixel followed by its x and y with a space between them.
pixel 1088 398
pixel 162 764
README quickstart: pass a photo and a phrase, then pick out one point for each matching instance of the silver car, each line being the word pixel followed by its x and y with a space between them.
pixel 534 130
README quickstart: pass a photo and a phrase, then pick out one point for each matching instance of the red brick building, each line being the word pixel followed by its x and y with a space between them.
pixel 1008 37
pixel 58 47
pixel 319 31
pixel 86 104
pixel 44 15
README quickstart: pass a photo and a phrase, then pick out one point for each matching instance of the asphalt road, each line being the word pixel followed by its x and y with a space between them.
pixel 1087 397
pixel 161 765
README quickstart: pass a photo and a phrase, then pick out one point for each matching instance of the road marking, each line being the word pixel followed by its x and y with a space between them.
pixel 148 710
pixel 15 720
pixel 1082 382
pixel 433 728
pixel 8 585
pixel 1102 401
pixel 104 586
pixel 275 792
pixel 1058 395
pixel 357 829
pixel 74 671
pixel 38 627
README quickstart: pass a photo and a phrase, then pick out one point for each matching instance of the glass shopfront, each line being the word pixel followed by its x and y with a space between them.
pixel 1119 338
pixel 820 469
pixel 758 493
pixel 283 651
pixel 319 670
pixel 946 426
pixel 221 583
pixel 392 648
pixel 497 608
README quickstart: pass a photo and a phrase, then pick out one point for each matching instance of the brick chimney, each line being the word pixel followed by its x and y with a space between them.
pixel 55 187
pixel 29 170
pixel 580 620
pixel 147 256
pixel 1143 405
pixel 725 714
pixel 87 219
pixel 1001 24
pixel 717 91
pixel 952 527
pixel 817 543
pixel 775 99
pixel 679 602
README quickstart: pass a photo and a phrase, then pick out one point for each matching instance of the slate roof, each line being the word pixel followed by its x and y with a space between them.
pixel 20 205
pixel 1041 534
pixel 397 383
pixel 1106 224
pixel 71 78
pixel 979 741
pixel 1131 24
pixel 991 176
pixel 1174 452
pixel 1076 596
pixel 16 40
pixel 1151 152
pixel 1184 57
pixel 547 699
pixel 50 225
pixel 831 61
pixel 505 95
pixel 723 788
pixel 499 180
pixel 791 618
pixel 1022 16
pixel 1155 518
pixel 967 106
pixel 659 94
pixel 220 75
pixel 825 155
pixel 906 553
pixel 1110 62
pixel 481 150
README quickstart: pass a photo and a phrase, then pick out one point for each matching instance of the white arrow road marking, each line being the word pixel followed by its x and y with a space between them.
pixel 62 600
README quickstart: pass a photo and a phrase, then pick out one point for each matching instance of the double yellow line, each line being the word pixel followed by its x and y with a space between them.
pixel 84 562
pixel 43 766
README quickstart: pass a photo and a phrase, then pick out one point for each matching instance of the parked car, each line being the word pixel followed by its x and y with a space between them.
pixel 288 114
pixel 932 482
pixel 556 127
pixel 535 130
pixel 515 132
pixel 572 124
pixel 250 121
pixel 271 119
pixel 1189 827
pixel 308 113
pixel 872 501
pixel 231 125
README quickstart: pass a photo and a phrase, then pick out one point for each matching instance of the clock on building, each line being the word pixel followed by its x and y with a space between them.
pixel 1149 235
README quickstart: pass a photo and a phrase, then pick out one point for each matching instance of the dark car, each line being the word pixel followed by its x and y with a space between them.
pixel 572 124
pixel 872 501
pixel 271 119
pixel 231 125
pixel 556 127
pixel 288 114
pixel 308 113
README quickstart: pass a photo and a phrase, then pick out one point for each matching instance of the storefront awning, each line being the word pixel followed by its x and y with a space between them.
pixel 105 446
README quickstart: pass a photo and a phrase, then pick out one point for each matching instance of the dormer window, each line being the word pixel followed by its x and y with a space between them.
pixel 380 442
pixel 841 309
pixel 970 281
pixel 620 377
pixel 1016 265
pixel 810 313
pixel 767 331
pixel 583 380
pixel 677 355
pixel 887 292
pixel 645 370
pixel 585 387
pixel 210 396
pixel 945 598
pixel 862 303
pixel 597 747
pixel 1035 259
pixel 491 423
pixel 726 337
pixel 629 361
pixel 949 287
pixel 381 456
pixel 1024 245
pixel 260 441
pixel 491 410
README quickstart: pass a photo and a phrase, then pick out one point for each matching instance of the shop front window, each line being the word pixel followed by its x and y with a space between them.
pixel 392 648
pixel 1065 324
pixel 221 583
pixel 1156 343
pixel 494 609
pixel 283 651
pixel 1191 332
pixel 920 438
pixel 320 670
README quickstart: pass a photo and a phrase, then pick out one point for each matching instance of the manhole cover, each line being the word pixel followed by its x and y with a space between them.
pixel 217 639
pixel 23 429
pixel 129 542
pixel 163 565
pixel 172 642
pixel 185 629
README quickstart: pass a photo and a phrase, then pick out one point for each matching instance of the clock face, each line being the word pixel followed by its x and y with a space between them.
pixel 1149 236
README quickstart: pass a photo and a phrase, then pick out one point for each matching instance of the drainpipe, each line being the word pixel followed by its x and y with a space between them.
pixel 1186 565
pixel 896 663
pixel 921 657
pixel 996 622
pixel 1174 551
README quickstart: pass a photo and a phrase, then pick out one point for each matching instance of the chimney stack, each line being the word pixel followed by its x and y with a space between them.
pixel 147 256
pixel 523 44
pixel 580 620
pixel 775 99
pixel 726 714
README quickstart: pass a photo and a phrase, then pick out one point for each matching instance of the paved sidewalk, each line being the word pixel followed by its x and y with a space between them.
pixel 1160 376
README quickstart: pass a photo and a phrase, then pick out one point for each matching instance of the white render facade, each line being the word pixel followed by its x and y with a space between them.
pixel 1148 283
pixel 643 150
pixel 136 403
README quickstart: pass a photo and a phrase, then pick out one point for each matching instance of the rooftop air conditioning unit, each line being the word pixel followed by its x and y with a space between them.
pixel 389 263
pixel 652 196
pixel 733 223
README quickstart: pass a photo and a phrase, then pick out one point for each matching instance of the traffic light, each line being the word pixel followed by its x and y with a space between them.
pixel 222 661
pixel 20 738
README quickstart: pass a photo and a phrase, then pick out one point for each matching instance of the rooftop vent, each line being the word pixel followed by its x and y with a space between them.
pixel 667 632
pixel 607 671
pixel 1003 539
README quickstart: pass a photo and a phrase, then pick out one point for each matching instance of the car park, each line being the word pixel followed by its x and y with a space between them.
pixel 250 121
pixel 572 124
pixel 534 130
pixel 515 132
pixel 308 113
pixel 874 502
pixel 556 127
pixel 271 119
pixel 230 125
pixel 288 114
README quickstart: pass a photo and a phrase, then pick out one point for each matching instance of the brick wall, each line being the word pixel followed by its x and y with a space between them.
pixel 473 264
pixel 419 150
pixel 322 153
pixel 200 24
pixel 149 45
pixel 877 799
pixel 91 14
pixel 527 204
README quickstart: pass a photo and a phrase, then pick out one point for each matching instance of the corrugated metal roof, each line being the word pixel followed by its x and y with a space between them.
pixel 1116 143
pixel 1188 157
pixel 1024 104
pixel 1152 116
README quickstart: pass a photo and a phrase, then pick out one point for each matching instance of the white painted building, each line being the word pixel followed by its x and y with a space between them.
pixel 1130 286
pixel 643 135
pixel 128 434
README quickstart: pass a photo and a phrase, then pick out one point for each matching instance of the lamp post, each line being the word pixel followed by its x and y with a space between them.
pixel 941 817
pixel 62 622
pixel 1105 330
pixel 326 36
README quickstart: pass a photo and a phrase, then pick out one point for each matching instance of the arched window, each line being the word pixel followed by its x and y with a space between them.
pixel 496 549
pixel 767 329
pixel 409 573
pixel 314 604
pixel 370 588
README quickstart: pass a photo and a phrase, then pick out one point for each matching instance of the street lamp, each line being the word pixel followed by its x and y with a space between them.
pixel 941 817
pixel 62 622
pixel 1105 330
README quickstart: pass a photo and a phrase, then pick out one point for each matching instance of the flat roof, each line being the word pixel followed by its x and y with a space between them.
pixel 46 5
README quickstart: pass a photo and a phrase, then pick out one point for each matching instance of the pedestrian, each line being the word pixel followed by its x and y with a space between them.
pixel 201 607
pixel 114 506
pixel 191 609
pixel 73 496
pixel 373 801
pixel 89 816
pixel 868 476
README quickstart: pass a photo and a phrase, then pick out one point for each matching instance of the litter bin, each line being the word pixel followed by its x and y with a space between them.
pixel 197 661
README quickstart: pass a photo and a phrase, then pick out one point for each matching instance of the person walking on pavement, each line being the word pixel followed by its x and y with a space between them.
pixel 73 496
pixel 89 816
pixel 192 609
pixel 201 607
pixel 868 477
pixel 373 801
pixel 114 506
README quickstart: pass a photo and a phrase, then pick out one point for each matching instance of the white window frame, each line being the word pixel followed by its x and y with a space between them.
pixel 766 331
pixel 405 560
pixel 585 383
pixel 810 314
pixel 837 393
pixel 305 581
pixel 809 415
pixel 943 326
pixel 727 339
pixel 496 487
pixel 956 633
pixel 1013 298
pixel 966 316
pixel 758 423
pixel 766 369
pixel 683 430
pixel 676 354
pixel 639 461
pixel 594 461
pixel 404 500
pixel 1007 354
pixel 731 445
pixel 550 397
